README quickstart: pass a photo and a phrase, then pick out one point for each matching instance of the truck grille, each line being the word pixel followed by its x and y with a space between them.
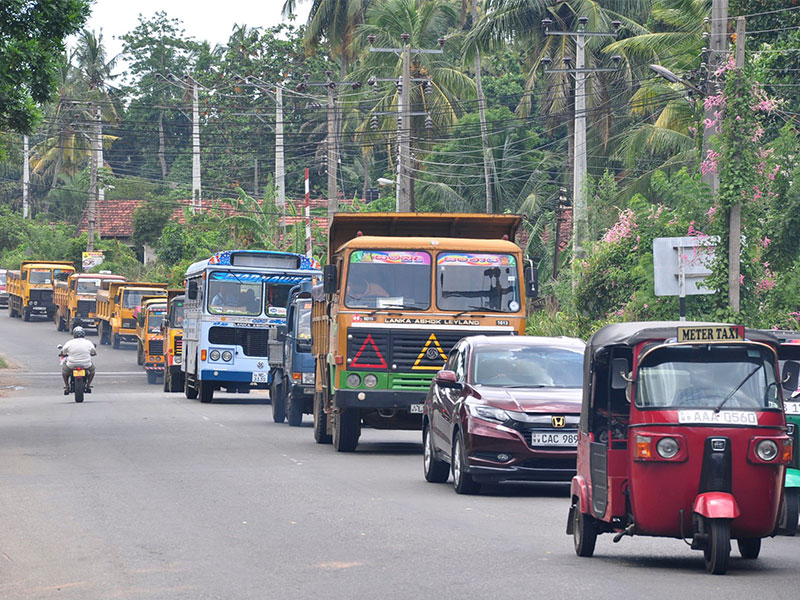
pixel 403 350
pixel 156 347
pixel 85 307
pixel 253 341
pixel 43 297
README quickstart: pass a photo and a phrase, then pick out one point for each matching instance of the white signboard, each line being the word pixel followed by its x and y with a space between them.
pixel 683 262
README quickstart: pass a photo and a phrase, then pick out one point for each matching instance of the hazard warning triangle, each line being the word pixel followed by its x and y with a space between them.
pixel 432 357
pixel 369 342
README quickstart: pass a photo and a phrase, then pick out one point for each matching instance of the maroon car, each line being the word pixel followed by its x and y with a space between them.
pixel 504 408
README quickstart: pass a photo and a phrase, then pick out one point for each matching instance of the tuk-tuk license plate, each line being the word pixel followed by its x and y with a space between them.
pixel 792 408
pixel 415 409
pixel 554 439
pixel 260 377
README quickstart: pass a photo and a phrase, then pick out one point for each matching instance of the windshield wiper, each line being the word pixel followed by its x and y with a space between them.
pixel 737 388
pixel 478 308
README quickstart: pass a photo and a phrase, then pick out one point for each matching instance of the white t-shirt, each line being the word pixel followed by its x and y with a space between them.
pixel 79 352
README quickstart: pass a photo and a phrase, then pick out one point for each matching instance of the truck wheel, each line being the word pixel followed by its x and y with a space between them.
pixel 189 390
pixel 294 410
pixel 206 392
pixel 276 396
pixel 167 384
pixel 152 376
pixel 176 381
pixel 346 429
pixel 436 471
pixel 463 483
pixel 26 314
pixel 717 552
pixel 115 345
pixel 321 435
pixel 584 532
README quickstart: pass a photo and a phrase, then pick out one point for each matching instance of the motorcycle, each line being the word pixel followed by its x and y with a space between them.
pixel 77 380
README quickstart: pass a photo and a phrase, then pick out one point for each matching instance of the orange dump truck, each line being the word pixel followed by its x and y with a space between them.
pixel 76 299
pixel 30 289
pixel 117 305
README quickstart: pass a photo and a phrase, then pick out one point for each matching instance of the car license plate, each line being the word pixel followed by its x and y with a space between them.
pixel 792 408
pixel 260 377
pixel 415 409
pixel 554 439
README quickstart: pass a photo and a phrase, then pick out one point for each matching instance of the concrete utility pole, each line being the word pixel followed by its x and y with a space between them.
pixel 331 143
pixel 309 251
pixel 487 153
pixel 197 193
pixel 94 185
pixel 26 177
pixel 280 172
pixel 405 200
pixel 717 56
pixel 735 216
pixel 580 212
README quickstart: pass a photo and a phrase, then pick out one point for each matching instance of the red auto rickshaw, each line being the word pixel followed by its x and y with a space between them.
pixel 682 434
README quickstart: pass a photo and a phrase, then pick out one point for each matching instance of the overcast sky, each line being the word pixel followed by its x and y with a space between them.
pixel 202 19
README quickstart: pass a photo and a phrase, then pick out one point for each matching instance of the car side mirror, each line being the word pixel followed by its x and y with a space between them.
pixel 619 374
pixel 330 279
pixel 280 334
pixel 531 281
pixel 447 379
pixel 191 290
pixel 790 375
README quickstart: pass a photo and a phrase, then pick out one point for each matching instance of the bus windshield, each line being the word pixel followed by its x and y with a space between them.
pixel 468 281
pixel 39 276
pixel 708 376
pixel 388 279
pixel 235 293
pixel 88 286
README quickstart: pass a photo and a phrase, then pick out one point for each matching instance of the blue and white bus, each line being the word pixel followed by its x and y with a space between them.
pixel 233 299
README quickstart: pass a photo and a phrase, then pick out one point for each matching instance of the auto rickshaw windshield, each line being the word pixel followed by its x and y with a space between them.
pixel 708 376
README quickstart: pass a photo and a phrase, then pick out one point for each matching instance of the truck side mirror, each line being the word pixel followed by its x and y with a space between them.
pixel 531 281
pixel 330 279
pixel 191 290
pixel 790 375
pixel 280 334
pixel 619 374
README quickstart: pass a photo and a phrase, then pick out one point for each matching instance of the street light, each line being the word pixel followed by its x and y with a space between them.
pixel 673 78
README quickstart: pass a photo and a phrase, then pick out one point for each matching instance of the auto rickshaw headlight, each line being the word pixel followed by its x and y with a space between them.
pixel 767 450
pixel 667 447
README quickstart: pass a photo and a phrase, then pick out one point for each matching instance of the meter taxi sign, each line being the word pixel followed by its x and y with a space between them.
pixel 713 333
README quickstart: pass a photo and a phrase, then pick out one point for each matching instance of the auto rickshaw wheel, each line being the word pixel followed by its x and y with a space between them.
pixel 718 547
pixel 749 547
pixel 584 532
pixel 790 507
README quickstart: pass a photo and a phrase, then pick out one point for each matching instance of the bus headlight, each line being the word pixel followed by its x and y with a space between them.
pixel 353 380
pixel 370 380
pixel 213 355
pixel 227 356
pixel 767 450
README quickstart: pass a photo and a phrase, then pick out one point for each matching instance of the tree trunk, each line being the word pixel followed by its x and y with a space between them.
pixel 162 146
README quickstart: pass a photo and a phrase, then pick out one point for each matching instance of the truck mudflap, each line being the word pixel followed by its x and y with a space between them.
pixel 379 399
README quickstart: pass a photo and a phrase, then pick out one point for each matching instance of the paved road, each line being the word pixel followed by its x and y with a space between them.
pixel 140 494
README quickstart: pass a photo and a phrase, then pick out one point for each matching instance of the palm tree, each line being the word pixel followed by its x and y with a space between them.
pixel 334 21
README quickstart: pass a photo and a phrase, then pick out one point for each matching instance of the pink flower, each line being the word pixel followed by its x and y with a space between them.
pixel 623 228
pixel 741 279
pixel 711 212
pixel 765 242
pixel 710 164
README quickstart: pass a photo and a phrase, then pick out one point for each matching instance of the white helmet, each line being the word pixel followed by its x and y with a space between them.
pixel 78 332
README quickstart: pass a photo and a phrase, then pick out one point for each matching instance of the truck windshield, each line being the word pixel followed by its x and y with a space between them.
pixel 133 298
pixel 235 293
pixel 277 298
pixel 88 286
pixel 154 322
pixel 743 376
pixel 62 274
pixel 303 321
pixel 468 281
pixel 176 318
pixel 39 276
pixel 388 279
pixel 528 366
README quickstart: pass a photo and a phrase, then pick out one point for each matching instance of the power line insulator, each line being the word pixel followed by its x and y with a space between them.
pixel 373 123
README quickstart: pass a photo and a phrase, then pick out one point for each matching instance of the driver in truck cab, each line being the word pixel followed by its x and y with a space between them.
pixel 360 289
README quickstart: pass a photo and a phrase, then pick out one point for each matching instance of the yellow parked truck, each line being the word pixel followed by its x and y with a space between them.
pixel 30 289
pixel 150 350
pixel 117 305
pixel 76 300
pixel 400 290
pixel 172 330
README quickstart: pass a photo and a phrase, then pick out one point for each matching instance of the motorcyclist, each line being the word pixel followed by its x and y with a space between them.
pixel 78 352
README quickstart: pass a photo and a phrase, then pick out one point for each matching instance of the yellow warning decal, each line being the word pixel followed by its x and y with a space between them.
pixel 432 350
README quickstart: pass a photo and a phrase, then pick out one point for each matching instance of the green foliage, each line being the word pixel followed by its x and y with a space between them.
pixel 31 44
pixel 149 220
